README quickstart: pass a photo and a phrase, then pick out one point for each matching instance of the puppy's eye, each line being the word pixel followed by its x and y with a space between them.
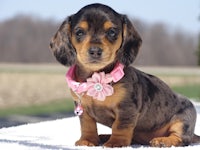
pixel 79 32
pixel 112 34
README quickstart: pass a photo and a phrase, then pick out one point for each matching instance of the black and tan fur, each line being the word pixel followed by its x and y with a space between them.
pixel 143 109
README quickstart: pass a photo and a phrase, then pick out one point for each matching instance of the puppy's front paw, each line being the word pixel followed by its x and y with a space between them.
pixel 83 142
pixel 117 142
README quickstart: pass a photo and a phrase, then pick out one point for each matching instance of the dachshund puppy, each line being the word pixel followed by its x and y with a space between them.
pixel 99 45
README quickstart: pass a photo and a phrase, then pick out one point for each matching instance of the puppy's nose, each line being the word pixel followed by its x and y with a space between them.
pixel 95 52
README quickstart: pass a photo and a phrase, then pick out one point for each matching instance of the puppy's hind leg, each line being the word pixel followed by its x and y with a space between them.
pixel 174 138
pixel 181 127
pixel 179 133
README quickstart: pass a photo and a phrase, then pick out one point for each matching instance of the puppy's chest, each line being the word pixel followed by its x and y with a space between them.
pixel 102 111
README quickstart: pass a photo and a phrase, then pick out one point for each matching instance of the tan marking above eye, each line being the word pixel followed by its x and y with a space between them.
pixel 83 24
pixel 107 25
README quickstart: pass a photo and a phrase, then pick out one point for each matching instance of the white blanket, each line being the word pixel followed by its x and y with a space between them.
pixel 62 134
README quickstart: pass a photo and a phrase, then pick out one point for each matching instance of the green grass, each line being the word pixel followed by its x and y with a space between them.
pixel 190 90
pixel 60 106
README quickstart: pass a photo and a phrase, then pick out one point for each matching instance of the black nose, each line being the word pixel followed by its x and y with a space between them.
pixel 95 52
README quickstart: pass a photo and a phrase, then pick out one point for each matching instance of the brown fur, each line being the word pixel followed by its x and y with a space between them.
pixel 143 109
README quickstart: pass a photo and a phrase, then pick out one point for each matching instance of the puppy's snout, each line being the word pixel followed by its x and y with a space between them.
pixel 95 52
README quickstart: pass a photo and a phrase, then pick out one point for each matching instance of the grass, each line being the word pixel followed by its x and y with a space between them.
pixel 189 90
pixel 60 106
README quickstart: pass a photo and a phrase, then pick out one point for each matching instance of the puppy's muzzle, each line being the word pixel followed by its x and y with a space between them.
pixel 95 52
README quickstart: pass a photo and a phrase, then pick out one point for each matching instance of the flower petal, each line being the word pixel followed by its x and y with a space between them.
pixel 90 84
pixel 90 80
pixel 102 77
pixel 107 90
pixel 91 92
pixel 96 77
pixel 100 96
pixel 108 78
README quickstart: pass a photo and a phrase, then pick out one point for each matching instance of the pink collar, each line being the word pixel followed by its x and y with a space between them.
pixel 98 86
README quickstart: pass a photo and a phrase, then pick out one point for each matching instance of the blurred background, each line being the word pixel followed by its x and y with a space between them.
pixel 32 83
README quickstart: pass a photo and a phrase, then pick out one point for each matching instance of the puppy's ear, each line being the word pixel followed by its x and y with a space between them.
pixel 61 44
pixel 131 43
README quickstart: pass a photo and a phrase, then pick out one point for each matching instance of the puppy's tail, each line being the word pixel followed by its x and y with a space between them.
pixel 196 139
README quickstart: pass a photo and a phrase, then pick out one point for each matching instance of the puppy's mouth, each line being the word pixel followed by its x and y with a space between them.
pixel 103 61
pixel 96 62
pixel 92 61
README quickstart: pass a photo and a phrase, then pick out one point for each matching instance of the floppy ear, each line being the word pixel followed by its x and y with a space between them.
pixel 131 43
pixel 61 44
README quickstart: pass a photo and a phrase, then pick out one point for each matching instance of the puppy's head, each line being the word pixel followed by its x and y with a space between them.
pixel 95 37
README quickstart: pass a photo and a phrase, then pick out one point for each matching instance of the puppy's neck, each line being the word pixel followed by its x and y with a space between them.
pixel 81 74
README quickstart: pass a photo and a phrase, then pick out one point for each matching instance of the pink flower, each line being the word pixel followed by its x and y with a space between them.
pixel 98 86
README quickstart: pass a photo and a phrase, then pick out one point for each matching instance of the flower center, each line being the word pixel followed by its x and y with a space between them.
pixel 98 87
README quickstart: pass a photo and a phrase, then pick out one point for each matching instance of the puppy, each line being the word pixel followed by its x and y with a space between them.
pixel 99 45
